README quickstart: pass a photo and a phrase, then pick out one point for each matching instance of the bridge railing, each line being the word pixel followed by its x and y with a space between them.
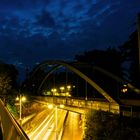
pixel 96 104
pixel 11 130
pixel 129 108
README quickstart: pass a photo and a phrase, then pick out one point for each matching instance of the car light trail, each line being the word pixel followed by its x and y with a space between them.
pixel 40 131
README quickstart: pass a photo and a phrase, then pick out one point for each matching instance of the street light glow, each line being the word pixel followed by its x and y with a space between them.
pixel 23 99
pixel 50 106
pixel 68 87
pixel 53 89
pixel 62 89
pixel 61 106
pixel 125 89
pixel 17 98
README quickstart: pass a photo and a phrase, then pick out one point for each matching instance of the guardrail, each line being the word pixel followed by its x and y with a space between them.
pixel 11 130
pixel 89 104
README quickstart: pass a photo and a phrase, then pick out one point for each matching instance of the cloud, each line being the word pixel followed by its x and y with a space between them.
pixel 63 28
pixel 19 44
pixel 45 19
pixel 78 6
pixel 20 4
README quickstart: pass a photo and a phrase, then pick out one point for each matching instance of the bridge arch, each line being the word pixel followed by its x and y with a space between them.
pixel 73 69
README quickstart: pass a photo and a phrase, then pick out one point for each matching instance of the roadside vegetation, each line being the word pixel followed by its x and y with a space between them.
pixel 100 125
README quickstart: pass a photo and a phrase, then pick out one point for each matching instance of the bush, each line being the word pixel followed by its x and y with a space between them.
pixel 101 125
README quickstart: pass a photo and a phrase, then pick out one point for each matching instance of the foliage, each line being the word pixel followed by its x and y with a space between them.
pixel 8 77
pixel 11 72
pixel 130 53
pixel 110 59
pixel 101 125
pixel 12 108
pixel 32 83
pixel 5 83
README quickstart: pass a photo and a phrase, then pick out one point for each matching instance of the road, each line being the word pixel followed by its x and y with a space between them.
pixel 52 124
pixel 44 125
pixel 73 127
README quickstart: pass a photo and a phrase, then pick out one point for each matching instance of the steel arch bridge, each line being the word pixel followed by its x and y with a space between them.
pixel 69 66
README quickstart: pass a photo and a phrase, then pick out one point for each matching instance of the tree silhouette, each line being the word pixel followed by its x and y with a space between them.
pixel 110 60
pixel 5 83
pixel 130 54
pixel 8 75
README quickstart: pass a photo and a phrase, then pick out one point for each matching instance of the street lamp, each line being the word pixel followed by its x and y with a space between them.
pixel 68 87
pixel 62 89
pixel 51 106
pixel 54 90
pixel 21 99
pixel 125 88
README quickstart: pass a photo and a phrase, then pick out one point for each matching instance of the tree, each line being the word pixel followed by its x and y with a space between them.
pixel 5 84
pixel 11 72
pixel 31 84
pixel 130 54
pixel 100 125
pixel 8 75
pixel 110 60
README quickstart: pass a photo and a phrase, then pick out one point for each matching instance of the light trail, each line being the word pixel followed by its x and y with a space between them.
pixel 39 135
pixel 49 132
pixel 72 129
pixel 42 123
pixel 56 134
pixel 45 128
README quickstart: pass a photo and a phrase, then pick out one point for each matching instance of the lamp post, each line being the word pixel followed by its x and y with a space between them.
pixel 139 42
pixel 56 136
pixel 20 99
pixel 54 90
pixel 62 90
pixel 50 106
pixel 69 87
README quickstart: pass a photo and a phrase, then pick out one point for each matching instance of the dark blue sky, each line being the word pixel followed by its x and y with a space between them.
pixel 35 30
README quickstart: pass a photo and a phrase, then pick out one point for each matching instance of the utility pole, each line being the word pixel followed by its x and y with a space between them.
pixel 139 42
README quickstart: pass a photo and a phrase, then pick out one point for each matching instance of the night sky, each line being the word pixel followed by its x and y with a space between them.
pixel 35 30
